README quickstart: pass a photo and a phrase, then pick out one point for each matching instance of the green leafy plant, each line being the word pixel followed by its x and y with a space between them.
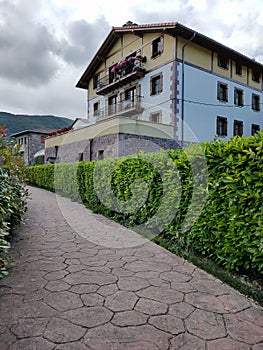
pixel 12 195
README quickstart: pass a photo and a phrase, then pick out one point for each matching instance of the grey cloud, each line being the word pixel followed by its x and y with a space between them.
pixel 83 39
pixel 26 47
pixel 30 51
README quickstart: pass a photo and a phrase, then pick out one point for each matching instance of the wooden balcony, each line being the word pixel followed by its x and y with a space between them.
pixel 109 83
pixel 125 108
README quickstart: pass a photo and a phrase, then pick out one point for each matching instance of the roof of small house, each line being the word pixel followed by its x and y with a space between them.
pixel 171 28
pixel 41 131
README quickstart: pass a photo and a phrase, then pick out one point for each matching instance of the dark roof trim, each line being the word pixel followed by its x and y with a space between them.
pixel 77 119
pixel 174 29
pixel 29 132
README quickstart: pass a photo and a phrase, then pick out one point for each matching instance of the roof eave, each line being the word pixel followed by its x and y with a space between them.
pixel 28 132
pixel 175 29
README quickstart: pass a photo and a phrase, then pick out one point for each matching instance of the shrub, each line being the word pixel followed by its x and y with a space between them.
pixel 39 160
pixel 230 229
pixel 12 195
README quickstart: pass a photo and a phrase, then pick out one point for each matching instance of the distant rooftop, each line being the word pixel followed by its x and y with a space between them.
pixel 43 131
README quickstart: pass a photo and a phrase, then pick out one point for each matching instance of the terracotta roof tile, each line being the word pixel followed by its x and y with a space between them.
pixel 151 25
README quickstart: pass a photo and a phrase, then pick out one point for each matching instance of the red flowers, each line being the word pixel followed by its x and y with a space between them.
pixel 3 132
pixel 60 131
pixel 1 264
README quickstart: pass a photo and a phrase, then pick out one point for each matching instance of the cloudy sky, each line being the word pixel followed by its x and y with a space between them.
pixel 45 45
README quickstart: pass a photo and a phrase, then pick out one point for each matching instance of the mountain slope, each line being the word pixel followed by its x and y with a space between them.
pixel 18 122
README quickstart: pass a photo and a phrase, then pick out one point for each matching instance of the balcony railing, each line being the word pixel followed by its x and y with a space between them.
pixel 124 108
pixel 121 73
pixel 107 84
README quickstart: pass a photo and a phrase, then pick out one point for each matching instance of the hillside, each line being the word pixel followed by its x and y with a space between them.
pixel 18 122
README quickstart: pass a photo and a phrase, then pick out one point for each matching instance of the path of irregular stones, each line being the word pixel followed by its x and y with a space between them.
pixel 67 293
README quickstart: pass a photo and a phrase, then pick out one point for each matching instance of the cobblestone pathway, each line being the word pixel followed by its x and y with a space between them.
pixel 67 292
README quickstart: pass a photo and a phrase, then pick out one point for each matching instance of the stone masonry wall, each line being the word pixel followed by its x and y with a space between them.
pixel 130 144
pixel 32 147
pixel 108 146
pixel 70 153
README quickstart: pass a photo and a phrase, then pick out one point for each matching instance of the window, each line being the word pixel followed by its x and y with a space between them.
pixel 238 128
pixel 80 157
pixel 130 94
pixel 255 76
pixel 254 129
pixel 223 62
pixel 255 102
pixel 101 154
pixel 221 126
pixel 56 151
pixel 156 117
pixel 96 109
pixel 238 97
pixel 238 69
pixel 25 140
pixel 222 93
pixel 156 84
pixel 129 98
pixel 157 46
pixel 96 79
pixel 112 104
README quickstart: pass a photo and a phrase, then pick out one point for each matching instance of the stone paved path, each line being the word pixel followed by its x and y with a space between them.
pixel 66 292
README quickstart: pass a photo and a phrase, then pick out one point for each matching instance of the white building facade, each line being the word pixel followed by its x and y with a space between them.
pixel 222 94
pixel 162 85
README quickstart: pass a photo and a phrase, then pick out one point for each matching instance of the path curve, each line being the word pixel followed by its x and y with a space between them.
pixel 66 292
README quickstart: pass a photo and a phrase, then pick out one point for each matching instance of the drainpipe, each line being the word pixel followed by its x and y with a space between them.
pixel 182 143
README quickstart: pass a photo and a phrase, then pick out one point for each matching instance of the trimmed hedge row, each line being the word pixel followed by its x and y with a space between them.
pixel 207 198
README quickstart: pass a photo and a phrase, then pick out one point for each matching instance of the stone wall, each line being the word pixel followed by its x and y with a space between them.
pixel 70 152
pixel 130 144
pixel 32 147
pixel 108 146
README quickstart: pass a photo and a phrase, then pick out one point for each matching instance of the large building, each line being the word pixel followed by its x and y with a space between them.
pixel 161 85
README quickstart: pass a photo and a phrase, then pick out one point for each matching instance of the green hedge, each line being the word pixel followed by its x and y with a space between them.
pixel 220 181
pixel 230 229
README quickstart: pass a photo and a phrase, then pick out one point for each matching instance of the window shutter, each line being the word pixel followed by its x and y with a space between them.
pixel 161 83
pixel 226 99
pixel 235 97
pixel 152 49
pixel 225 126
pixel 253 102
pixel 218 126
pixel 218 91
pixel 160 45
pixel 151 87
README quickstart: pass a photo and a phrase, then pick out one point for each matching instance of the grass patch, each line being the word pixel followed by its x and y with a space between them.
pixel 250 285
